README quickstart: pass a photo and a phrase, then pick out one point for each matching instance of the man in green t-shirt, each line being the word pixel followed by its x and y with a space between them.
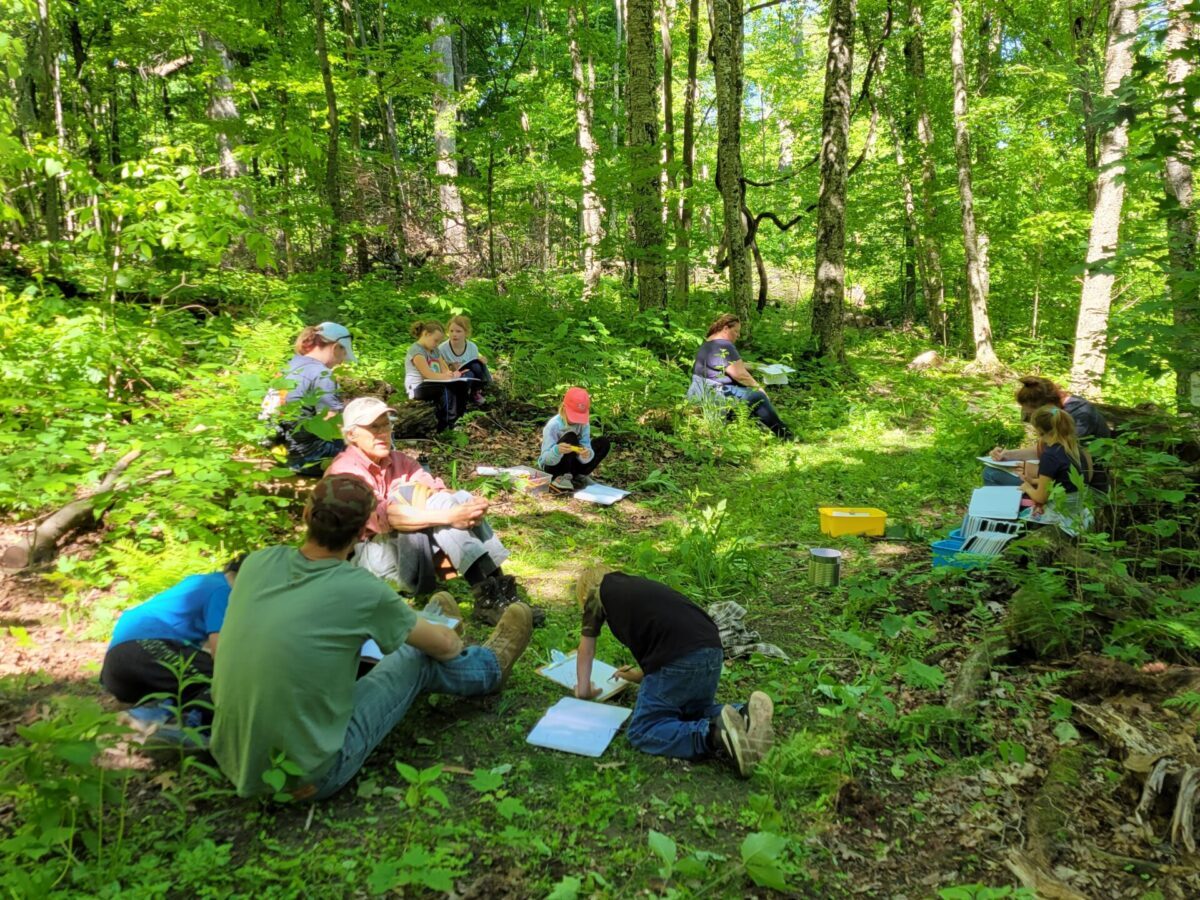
pixel 284 684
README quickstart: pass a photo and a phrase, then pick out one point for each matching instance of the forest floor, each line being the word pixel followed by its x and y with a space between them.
pixel 878 794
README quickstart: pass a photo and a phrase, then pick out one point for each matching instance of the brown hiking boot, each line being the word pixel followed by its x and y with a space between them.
pixel 444 604
pixel 510 638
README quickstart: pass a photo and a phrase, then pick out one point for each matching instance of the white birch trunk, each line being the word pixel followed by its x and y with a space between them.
pixel 592 213
pixel 977 278
pixel 1091 329
pixel 445 110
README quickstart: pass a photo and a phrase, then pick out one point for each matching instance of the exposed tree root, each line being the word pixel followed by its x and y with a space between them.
pixel 1052 808
pixel 974 670
pixel 1038 879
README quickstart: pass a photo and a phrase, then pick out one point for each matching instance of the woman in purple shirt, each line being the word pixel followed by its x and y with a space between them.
pixel 719 370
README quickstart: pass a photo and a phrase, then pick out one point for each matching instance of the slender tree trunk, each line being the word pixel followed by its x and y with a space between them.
pixel 670 210
pixel 52 119
pixel 282 101
pixel 1183 39
pixel 362 256
pixel 592 212
pixel 934 284
pixel 445 107
pixel 389 125
pixel 642 102
pixel 829 281
pixel 1083 31
pixel 333 189
pixel 222 110
pixel 619 115
pixel 977 279
pixel 912 230
pixel 683 230
pixel 727 43
pixel 1091 330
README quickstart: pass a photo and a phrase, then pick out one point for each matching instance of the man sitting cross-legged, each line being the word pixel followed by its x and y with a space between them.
pixel 284 686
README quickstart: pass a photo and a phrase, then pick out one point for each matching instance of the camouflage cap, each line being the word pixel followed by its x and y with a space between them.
pixel 344 500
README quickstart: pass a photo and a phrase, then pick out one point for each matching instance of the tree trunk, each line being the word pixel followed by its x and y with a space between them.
pixel 727 40
pixel 1180 46
pixel 52 122
pixel 592 213
pixel 933 282
pixel 913 240
pixel 389 123
pixel 1091 330
pixel 333 190
pixel 445 108
pixel 977 279
pixel 641 101
pixel 1083 31
pixel 362 256
pixel 670 209
pixel 829 280
pixel 683 228
pixel 222 110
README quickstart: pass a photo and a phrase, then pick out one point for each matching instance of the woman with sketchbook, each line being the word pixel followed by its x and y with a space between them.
pixel 1034 394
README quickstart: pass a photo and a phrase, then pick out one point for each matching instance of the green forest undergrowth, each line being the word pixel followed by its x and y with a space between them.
pixel 875 785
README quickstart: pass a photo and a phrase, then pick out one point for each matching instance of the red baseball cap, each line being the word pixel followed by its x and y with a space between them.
pixel 576 404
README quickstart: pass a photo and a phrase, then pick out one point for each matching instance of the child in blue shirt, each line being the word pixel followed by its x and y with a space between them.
pixel 568 451
pixel 172 637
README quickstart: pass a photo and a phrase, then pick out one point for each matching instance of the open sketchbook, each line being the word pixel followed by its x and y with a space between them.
pixel 579 726
pixel 561 670
pixel 1006 464
pixel 372 651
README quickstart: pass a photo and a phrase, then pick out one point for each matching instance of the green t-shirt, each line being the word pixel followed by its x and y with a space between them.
pixel 287 660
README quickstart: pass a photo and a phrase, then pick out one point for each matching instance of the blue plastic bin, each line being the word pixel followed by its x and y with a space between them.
pixel 948 553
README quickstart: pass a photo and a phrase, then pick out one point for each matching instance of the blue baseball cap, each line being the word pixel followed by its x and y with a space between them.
pixel 332 331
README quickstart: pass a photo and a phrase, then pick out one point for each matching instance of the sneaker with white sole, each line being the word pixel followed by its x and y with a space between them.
pixel 759 713
pixel 735 741
pixel 562 483
pixel 147 718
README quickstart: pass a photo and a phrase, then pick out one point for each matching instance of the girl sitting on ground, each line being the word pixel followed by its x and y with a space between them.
pixel 459 352
pixel 428 377
pixel 1062 461
pixel 568 451
pixel 1034 393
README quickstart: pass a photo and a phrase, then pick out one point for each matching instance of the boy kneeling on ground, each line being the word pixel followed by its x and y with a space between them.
pixel 678 649
pixel 285 683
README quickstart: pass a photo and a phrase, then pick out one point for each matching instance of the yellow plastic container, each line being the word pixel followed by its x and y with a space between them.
pixel 837 521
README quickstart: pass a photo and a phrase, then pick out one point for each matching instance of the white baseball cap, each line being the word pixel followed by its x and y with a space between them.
pixel 364 411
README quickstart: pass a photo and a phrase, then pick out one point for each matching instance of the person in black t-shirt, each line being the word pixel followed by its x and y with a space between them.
pixel 678 650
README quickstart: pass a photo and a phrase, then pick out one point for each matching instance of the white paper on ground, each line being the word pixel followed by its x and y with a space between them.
pixel 371 650
pixel 561 670
pixel 995 502
pixel 1002 463
pixel 775 373
pixel 601 493
pixel 578 726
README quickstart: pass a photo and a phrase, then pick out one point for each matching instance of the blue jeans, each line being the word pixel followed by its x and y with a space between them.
pixel 675 704
pixel 760 407
pixel 998 478
pixel 382 697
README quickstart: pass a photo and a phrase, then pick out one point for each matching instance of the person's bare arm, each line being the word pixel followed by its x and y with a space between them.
pixel 427 371
pixel 210 645
pixel 738 372
pixel 1037 490
pixel 436 641
pixel 584 657
pixel 1000 454
pixel 407 518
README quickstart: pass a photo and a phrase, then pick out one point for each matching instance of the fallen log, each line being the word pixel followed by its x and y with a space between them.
pixel 40 544
pixel 1051 808
pixel 1049 547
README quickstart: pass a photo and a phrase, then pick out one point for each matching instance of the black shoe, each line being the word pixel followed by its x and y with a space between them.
pixel 489 601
